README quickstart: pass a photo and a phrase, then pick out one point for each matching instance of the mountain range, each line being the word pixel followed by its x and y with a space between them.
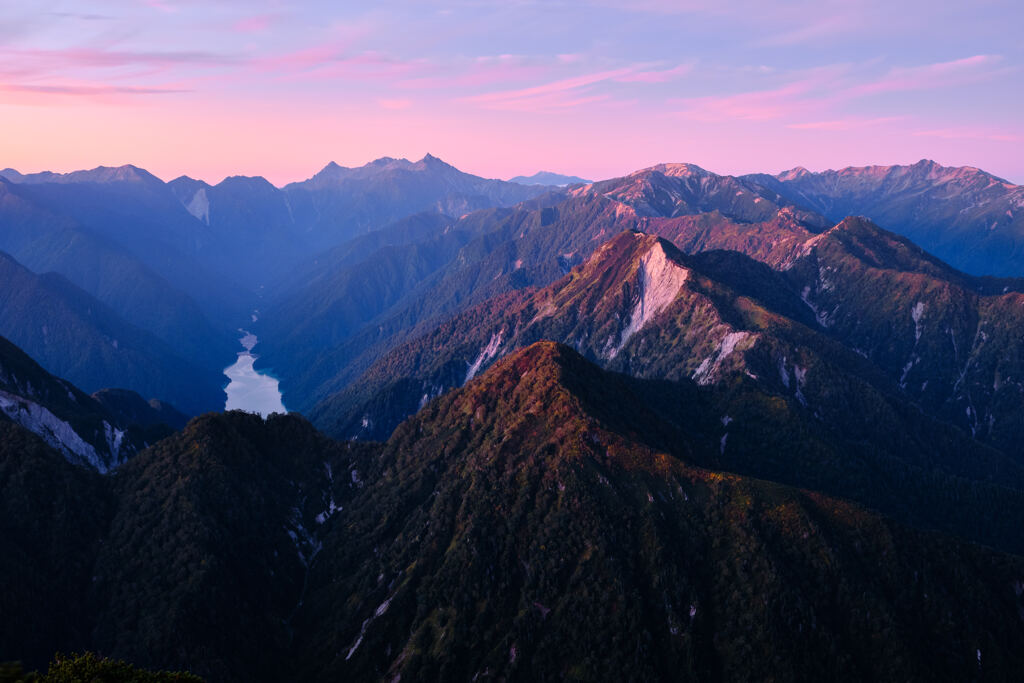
pixel 673 425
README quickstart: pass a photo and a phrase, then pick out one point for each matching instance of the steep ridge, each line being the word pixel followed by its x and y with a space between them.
pixel 947 339
pixel 547 520
pixel 75 336
pixel 521 528
pixel 82 429
pixel 964 215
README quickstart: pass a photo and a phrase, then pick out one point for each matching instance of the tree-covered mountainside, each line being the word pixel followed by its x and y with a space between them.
pixel 77 337
pixel 524 527
pixel 549 520
pixel 968 217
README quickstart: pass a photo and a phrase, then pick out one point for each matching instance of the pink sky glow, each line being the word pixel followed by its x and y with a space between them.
pixel 219 88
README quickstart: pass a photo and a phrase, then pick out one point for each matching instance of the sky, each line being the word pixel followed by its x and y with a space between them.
pixel 212 88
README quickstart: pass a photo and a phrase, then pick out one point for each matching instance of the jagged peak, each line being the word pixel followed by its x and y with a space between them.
pixel 186 179
pixel 330 168
pixel 925 169
pixel 677 170
pixel 430 162
pixel 633 245
pixel 245 180
pixel 99 174
pixel 793 174
pixel 123 173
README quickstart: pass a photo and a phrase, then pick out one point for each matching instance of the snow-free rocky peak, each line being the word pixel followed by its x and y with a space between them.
pixel 659 279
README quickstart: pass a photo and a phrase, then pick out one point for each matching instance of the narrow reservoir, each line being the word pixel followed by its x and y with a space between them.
pixel 249 389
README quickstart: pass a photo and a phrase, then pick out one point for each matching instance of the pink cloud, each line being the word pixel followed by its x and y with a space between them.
pixel 760 105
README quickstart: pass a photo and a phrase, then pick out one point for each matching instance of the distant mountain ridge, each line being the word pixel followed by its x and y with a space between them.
pixel 549 178
pixel 965 216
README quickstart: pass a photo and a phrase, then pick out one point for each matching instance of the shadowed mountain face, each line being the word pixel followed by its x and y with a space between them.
pixel 547 520
pixel 75 336
pixel 45 239
pixel 97 433
pixel 272 230
pixel 967 217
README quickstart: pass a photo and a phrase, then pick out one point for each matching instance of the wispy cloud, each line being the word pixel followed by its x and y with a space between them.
pixel 62 60
pixel 479 72
pixel 561 94
pixel 827 90
pixel 801 96
pixel 851 123
pixel 577 90
pixel 656 75
pixel 931 76
pixel 88 90
pixel 970 134
pixel 816 30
